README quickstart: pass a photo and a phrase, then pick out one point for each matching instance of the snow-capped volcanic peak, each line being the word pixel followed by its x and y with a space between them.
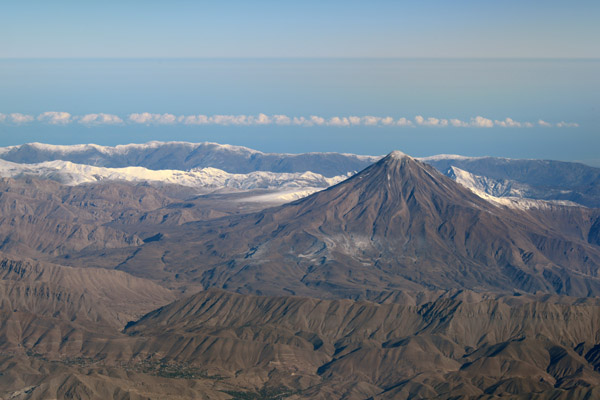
pixel 397 155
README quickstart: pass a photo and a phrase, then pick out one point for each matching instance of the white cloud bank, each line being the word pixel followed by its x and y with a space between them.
pixel 564 124
pixel 148 118
pixel 476 122
pixel 145 118
pixel 101 118
pixel 16 118
pixel 55 117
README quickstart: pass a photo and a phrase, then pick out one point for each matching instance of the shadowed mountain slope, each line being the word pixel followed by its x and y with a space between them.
pixel 218 344
pixel 112 298
pixel 453 344
pixel 43 218
pixel 398 224
pixel 46 217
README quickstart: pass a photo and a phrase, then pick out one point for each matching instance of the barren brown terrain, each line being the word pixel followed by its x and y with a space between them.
pixel 396 283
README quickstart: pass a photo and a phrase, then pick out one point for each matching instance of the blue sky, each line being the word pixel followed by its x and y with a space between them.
pixel 504 78
pixel 306 28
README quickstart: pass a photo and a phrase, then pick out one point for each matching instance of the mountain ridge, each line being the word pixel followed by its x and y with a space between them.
pixel 69 173
pixel 395 283
pixel 536 179
pixel 185 156
pixel 415 226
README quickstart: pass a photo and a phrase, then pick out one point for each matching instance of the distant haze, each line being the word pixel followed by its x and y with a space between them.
pixel 513 78
pixel 534 91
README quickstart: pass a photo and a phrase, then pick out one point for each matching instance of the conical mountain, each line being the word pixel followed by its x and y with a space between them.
pixel 385 199
pixel 397 225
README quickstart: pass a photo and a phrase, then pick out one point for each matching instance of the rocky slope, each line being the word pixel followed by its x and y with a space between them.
pixel 412 286
pixel 221 345
pixel 457 344
pixel 397 225
pixel 109 297
pixel 43 217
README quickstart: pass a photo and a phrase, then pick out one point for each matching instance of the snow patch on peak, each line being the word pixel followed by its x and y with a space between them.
pixel 232 148
pixel 398 155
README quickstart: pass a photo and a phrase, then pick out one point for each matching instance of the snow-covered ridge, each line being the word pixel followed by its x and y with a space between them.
pixel 493 187
pixel 525 203
pixel 502 192
pixel 447 157
pixel 126 148
pixel 185 156
pixel 75 174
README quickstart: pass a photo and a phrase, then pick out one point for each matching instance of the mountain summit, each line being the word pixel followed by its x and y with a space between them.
pixel 397 225
pixel 397 154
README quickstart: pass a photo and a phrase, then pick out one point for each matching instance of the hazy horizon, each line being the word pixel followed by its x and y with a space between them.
pixel 555 97
pixel 508 79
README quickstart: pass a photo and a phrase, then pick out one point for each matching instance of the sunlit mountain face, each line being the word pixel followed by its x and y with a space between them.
pixel 299 200
pixel 384 282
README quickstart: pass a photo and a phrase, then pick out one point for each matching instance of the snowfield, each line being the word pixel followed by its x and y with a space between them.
pixel 69 173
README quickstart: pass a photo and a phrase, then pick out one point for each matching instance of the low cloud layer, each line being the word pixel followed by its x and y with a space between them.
pixel 55 117
pixel 145 118
pixel 96 119
pixel 16 118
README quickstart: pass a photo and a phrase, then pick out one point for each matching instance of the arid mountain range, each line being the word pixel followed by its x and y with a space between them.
pixel 398 282
pixel 500 177
pixel 397 225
